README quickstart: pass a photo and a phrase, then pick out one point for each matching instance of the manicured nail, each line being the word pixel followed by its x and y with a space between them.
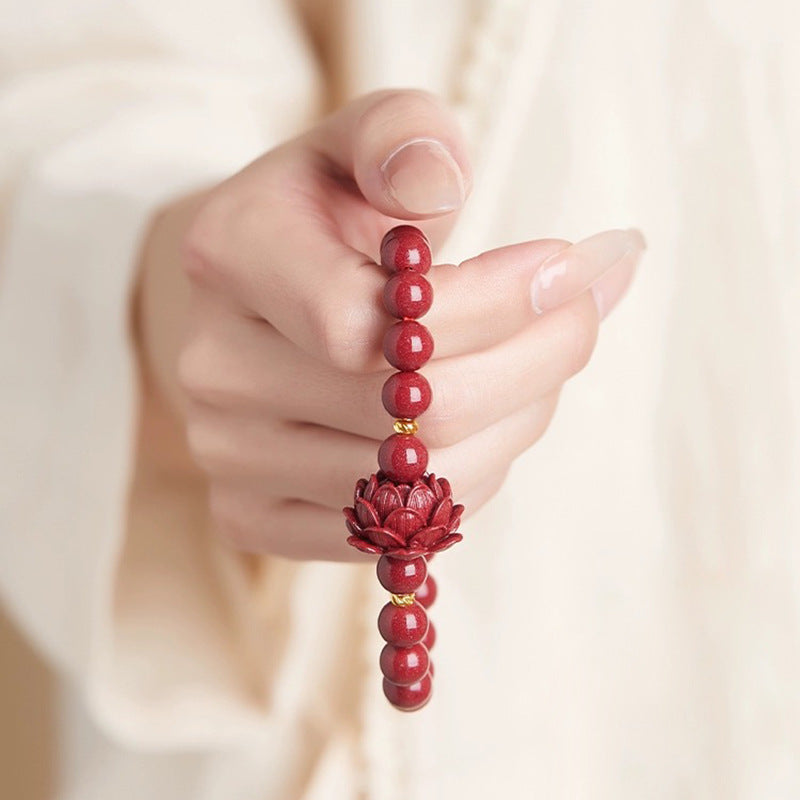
pixel 612 286
pixel 424 178
pixel 574 269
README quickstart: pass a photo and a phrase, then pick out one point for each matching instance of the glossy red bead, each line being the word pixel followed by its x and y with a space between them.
pixel 407 294
pixel 403 457
pixel 401 576
pixel 406 394
pixel 406 247
pixel 404 665
pixel 426 594
pixel 403 625
pixel 408 698
pixel 430 636
pixel 407 344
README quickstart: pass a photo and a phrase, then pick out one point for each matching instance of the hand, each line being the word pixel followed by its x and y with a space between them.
pixel 278 380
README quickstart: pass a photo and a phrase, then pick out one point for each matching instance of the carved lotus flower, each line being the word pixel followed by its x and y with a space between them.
pixel 404 520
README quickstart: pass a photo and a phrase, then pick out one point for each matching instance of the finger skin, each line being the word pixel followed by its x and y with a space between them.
pixel 294 246
pixel 318 464
pixel 297 529
pixel 280 374
pixel 226 367
pixel 292 240
pixel 358 139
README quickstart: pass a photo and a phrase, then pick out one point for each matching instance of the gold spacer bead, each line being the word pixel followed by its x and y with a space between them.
pixel 402 599
pixel 407 426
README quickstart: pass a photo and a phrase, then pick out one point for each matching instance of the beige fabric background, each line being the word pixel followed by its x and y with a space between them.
pixel 621 621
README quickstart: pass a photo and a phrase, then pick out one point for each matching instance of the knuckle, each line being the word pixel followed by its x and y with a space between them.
pixel 194 373
pixel 203 249
pixel 346 333
pixel 205 452
pixel 220 449
pixel 455 400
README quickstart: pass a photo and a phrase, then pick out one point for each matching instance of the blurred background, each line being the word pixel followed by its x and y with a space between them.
pixel 661 575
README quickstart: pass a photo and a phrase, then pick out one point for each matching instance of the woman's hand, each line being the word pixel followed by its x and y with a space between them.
pixel 268 340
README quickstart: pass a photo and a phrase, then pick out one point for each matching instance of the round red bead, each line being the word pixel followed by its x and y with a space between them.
pixel 408 698
pixel 403 457
pixel 406 394
pixel 407 294
pixel 406 247
pixel 403 625
pixel 407 344
pixel 426 594
pixel 401 576
pixel 404 665
pixel 430 637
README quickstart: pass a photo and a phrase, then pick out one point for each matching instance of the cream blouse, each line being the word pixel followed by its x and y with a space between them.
pixel 621 620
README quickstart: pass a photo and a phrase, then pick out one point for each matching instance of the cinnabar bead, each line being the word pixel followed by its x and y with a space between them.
pixel 401 576
pixel 403 625
pixel 404 665
pixel 407 344
pixel 407 294
pixel 430 637
pixel 403 457
pixel 426 594
pixel 408 698
pixel 406 247
pixel 406 394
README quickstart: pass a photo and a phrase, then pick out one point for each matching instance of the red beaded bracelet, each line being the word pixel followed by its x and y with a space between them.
pixel 401 512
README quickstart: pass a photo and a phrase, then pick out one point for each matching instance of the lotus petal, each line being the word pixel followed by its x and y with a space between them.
pixel 448 541
pixel 359 490
pixel 452 526
pixel 455 517
pixel 351 520
pixel 370 487
pixel 435 488
pixel 356 530
pixel 428 537
pixel 386 499
pixel 404 489
pixel 366 514
pixel 405 522
pixel 383 538
pixel 363 545
pixel 442 513
pixel 447 490
pixel 421 499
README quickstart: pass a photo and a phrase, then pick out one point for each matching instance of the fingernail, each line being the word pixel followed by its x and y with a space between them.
pixel 574 269
pixel 424 178
pixel 612 286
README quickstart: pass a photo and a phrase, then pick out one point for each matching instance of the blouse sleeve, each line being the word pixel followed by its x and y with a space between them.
pixel 106 111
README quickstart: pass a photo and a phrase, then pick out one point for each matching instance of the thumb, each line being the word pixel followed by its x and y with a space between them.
pixel 403 148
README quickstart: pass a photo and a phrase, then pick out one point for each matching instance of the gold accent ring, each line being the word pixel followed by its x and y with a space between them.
pixel 407 426
pixel 402 599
